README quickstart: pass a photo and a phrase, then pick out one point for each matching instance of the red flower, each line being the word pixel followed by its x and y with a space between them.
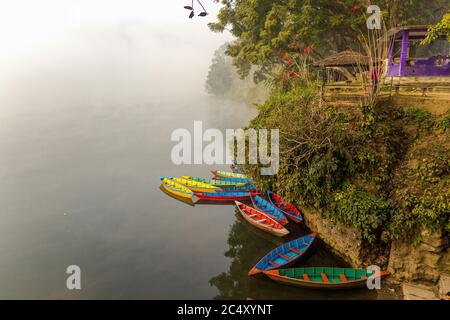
pixel 289 62
pixel 308 49
pixel 282 54
pixel 356 8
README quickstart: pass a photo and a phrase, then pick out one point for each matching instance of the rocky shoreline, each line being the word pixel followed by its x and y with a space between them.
pixel 417 270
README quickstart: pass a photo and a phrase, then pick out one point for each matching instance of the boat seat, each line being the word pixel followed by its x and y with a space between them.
pixel 261 220
pixel 324 277
pixel 295 250
pixel 306 277
pixel 273 263
pixel 343 277
pixel 285 257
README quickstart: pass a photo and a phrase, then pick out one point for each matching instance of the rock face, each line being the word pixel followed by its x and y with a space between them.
pixel 345 242
pixel 422 268
pixel 425 264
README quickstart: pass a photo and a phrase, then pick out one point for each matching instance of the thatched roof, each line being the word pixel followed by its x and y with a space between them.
pixel 342 59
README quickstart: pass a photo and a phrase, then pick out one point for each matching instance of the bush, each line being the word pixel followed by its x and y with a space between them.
pixel 362 210
pixel 423 117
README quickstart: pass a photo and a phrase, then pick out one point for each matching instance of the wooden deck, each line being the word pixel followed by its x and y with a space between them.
pixel 431 92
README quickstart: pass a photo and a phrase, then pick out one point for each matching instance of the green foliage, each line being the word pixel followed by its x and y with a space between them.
pixel 344 166
pixel 423 117
pixel 362 210
pixel 263 28
pixel 313 158
pixel 444 123
pixel 426 195
pixel 440 29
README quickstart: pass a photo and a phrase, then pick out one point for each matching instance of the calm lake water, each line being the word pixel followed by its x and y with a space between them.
pixel 80 186
pixel 85 129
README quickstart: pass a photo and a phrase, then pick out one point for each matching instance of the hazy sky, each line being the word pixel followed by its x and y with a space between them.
pixel 48 44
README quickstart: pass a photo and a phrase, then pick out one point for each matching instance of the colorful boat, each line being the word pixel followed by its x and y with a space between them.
pixel 196 186
pixel 236 180
pixel 322 278
pixel 177 189
pixel 288 209
pixel 219 182
pixel 261 220
pixel 225 196
pixel 228 174
pixel 266 207
pixel 283 255
pixel 245 188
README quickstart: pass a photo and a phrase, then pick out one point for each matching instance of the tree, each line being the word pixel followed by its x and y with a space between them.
pixel 220 75
pixel 440 29
pixel 264 27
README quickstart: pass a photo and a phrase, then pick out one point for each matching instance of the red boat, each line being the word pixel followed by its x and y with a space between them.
pixel 224 196
pixel 288 209
pixel 261 220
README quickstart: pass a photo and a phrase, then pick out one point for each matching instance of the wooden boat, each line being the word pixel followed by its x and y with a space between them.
pixel 218 182
pixel 228 174
pixel 196 186
pixel 236 180
pixel 322 278
pixel 225 196
pixel 177 189
pixel 288 209
pixel 283 255
pixel 261 220
pixel 245 188
pixel 266 207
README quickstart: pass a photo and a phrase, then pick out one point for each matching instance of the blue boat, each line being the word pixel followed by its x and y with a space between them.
pixel 268 208
pixel 284 255
pixel 237 180
pixel 246 188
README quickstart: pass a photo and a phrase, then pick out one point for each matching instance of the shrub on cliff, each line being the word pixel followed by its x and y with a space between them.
pixel 359 168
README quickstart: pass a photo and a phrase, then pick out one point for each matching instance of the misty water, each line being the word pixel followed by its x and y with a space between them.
pixel 85 127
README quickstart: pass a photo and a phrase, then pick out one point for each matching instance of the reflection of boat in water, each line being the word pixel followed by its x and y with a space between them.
pixel 257 232
pixel 181 199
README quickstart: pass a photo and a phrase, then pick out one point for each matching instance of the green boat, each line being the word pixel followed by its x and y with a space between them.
pixel 228 174
pixel 322 278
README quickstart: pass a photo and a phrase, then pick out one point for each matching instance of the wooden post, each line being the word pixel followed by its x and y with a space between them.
pixel 404 53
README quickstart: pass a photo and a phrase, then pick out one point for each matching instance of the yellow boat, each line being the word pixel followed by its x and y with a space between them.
pixel 196 186
pixel 177 189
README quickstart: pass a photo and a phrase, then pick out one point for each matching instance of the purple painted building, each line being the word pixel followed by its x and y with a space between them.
pixel 408 58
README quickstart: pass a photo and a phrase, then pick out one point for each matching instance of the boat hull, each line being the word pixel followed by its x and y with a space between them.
pixel 176 192
pixel 224 198
pixel 279 232
pixel 288 210
pixel 264 206
pixel 284 255
pixel 217 182
pixel 228 174
pixel 349 284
